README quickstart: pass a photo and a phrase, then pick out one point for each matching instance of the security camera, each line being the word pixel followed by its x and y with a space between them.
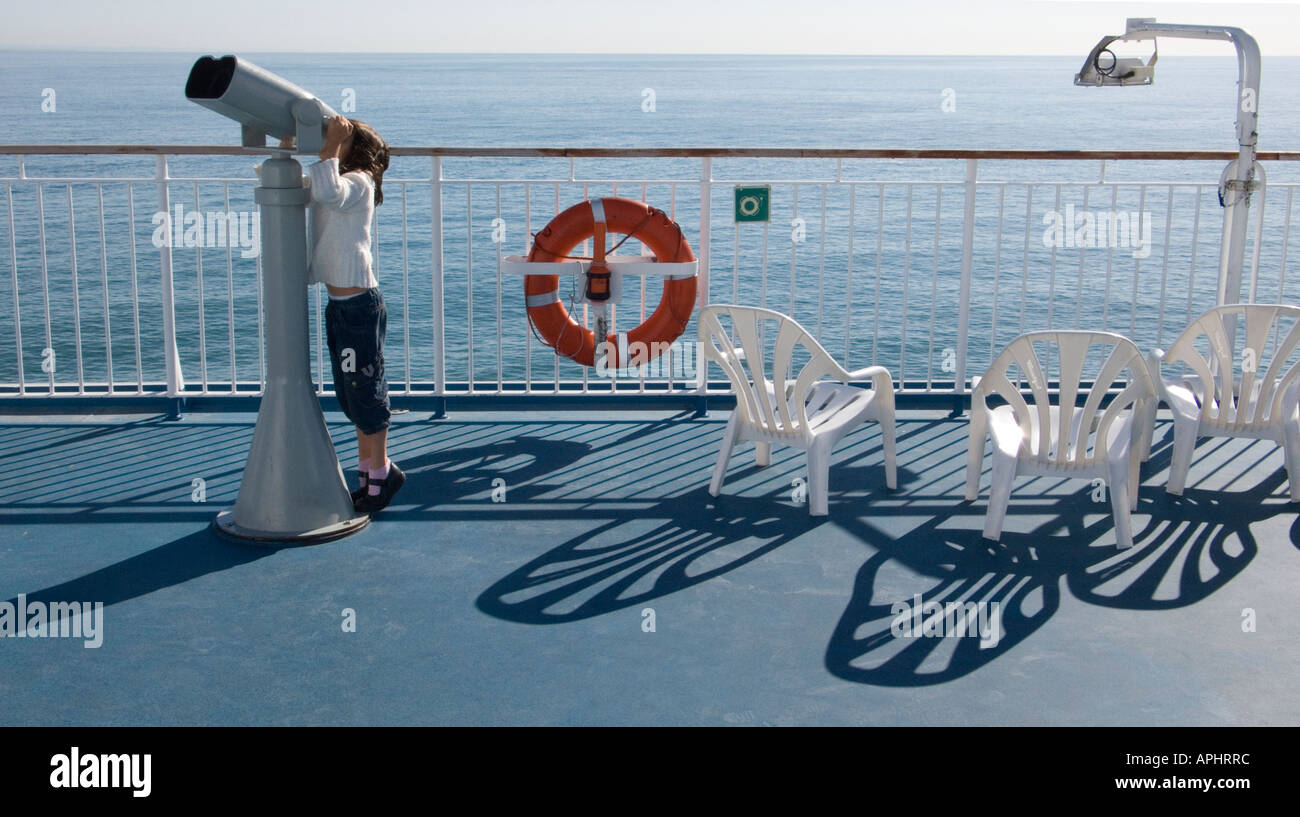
pixel 263 103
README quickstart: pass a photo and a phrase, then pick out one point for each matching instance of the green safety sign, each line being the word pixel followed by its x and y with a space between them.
pixel 752 203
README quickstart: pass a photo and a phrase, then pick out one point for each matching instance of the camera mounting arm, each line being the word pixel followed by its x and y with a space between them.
pixel 1239 177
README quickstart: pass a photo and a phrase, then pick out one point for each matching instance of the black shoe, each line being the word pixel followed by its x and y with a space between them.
pixel 363 478
pixel 388 488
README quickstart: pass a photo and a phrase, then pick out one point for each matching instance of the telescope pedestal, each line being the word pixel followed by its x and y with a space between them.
pixel 293 489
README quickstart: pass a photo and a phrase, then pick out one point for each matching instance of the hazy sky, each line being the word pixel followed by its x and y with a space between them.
pixel 601 26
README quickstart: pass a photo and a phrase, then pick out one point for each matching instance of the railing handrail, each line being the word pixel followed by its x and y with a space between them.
pixel 686 152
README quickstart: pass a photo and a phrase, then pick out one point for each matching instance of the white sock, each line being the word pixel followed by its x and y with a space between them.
pixel 376 474
pixel 364 467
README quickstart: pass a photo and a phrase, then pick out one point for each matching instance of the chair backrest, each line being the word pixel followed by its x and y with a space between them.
pixel 1241 384
pixel 1077 438
pixel 771 399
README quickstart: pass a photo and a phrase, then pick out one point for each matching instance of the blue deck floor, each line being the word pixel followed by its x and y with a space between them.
pixel 530 611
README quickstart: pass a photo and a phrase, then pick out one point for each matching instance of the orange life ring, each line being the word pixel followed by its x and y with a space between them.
pixel 591 220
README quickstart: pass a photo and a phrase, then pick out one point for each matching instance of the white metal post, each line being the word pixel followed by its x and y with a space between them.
pixel 967 258
pixel 171 357
pixel 439 333
pixel 702 295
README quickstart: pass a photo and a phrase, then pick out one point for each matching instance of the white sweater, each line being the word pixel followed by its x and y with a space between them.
pixel 338 243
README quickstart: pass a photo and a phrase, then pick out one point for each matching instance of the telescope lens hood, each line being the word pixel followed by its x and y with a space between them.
pixel 210 77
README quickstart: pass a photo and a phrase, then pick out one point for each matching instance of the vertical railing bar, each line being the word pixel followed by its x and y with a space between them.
pixel 848 274
pixel 528 332
pixel 261 325
pixel 907 275
pixel 76 293
pixel 1078 296
pixel 997 270
pixel 198 266
pixel 135 298
pixel 642 373
pixel 556 356
pixel 13 262
pixel 1164 268
pixel 469 282
pixel 705 253
pixel 1051 277
pixel 1286 241
pixel 1196 237
pixel 1257 240
pixel 969 194
pixel 1110 260
pixel 45 280
pixel 934 288
pixel 821 264
pixel 406 294
pixel 437 283
pixel 1281 278
pixel 103 266
pixel 317 297
pixel 735 261
pixel 1024 277
pixel 794 253
pixel 613 307
pixel 586 194
pixel 672 214
pixel 171 355
pixel 1137 264
pixel 230 289
pixel 500 345
pixel 875 303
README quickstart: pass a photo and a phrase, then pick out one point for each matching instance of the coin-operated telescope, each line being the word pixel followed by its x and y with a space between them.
pixel 261 102
pixel 292 489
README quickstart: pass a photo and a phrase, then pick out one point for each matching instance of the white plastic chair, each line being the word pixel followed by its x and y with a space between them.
pixel 1066 440
pixel 803 411
pixel 1253 393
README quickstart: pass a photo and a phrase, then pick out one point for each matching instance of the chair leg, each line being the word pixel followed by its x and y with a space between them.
pixel 724 455
pixel 975 452
pixel 1004 476
pixel 1146 428
pixel 763 454
pixel 1121 503
pixel 1134 481
pixel 819 471
pixel 888 441
pixel 1291 445
pixel 1184 446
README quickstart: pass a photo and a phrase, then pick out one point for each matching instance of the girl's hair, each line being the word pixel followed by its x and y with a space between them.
pixel 369 154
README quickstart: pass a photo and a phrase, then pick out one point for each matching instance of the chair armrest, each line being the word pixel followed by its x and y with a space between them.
pixel 878 375
pixel 1154 359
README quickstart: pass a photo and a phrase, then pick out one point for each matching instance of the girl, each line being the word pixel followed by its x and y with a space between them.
pixel 346 185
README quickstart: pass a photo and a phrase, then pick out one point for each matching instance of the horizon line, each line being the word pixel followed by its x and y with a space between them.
pixel 105 50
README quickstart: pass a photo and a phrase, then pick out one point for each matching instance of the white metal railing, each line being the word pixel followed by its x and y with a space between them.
pixel 883 265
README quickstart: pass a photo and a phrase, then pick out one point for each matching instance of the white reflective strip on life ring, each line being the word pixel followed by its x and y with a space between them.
pixel 683 275
pixel 597 210
pixel 543 298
